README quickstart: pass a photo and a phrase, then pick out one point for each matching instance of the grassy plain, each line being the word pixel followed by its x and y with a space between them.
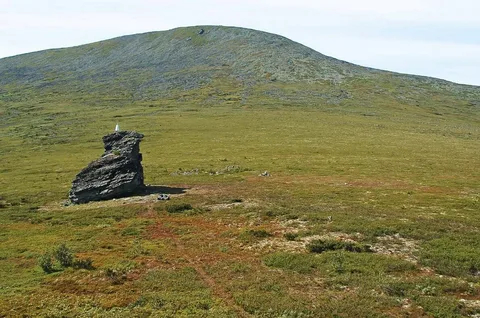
pixel 403 180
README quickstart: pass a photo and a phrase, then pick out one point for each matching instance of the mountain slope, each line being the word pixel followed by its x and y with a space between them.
pixel 214 64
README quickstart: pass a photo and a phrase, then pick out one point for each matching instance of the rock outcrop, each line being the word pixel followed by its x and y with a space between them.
pixel 117 173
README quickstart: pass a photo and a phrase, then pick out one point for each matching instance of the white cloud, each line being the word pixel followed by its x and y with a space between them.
pixel 460 11
pixel 458 62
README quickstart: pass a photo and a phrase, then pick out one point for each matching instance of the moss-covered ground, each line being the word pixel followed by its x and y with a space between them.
pixel 403 180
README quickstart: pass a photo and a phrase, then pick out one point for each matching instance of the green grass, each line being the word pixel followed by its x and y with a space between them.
pixel 178 208
pixel 372 176
pixel 320 246
pixel 386 161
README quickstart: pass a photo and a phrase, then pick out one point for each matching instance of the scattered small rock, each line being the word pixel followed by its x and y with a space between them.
pixel 228 169
pixel 300 243
pixel 163 197
pixel 396 245
pixel 471 303
pixel 196 171
pixel 181 172
pixel 201 31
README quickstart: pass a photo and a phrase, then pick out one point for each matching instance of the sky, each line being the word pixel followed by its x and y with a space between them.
pixel 437 38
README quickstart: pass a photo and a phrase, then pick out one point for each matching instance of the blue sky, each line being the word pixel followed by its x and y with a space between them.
pixel 438 38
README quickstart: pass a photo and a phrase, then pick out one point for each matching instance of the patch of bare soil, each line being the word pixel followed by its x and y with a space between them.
pixel 209 230
pixel 396 245
pixel 299 245
pixel 149 197
pixel 225 206
pixel 294 226
pixel 56 206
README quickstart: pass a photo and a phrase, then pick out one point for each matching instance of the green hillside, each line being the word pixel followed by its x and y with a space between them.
pixel 223 64
pixel 370 207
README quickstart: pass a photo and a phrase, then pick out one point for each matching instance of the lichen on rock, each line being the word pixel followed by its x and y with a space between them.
pixel 118 173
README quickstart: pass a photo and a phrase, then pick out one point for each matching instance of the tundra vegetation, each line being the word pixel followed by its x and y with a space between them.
pixel 371 209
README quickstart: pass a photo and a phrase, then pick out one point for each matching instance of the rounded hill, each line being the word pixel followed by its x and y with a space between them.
pixel 214 63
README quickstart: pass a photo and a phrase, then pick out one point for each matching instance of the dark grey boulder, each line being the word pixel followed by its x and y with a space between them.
pixel 118 173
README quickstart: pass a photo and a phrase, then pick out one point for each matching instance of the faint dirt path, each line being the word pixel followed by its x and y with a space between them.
pixel 217 289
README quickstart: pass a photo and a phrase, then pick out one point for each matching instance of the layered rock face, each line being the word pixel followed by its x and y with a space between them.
pixel 117 173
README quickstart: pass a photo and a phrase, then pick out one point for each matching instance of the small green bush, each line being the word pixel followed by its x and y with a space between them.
pixel 46 263
pixel 258 233
pixel 320 246
pixel 178 208
pixel 248 236
pixel 83 264
pixel 63 255
pixel 290 236
pixel 65 258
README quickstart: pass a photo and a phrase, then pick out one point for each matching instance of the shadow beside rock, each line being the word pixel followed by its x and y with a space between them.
pixel 152 189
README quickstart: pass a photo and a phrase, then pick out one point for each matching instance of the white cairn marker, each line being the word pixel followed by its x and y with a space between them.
pixel 117 127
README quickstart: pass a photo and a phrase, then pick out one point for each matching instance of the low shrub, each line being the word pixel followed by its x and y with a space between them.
pixel 290 236
pixel 258 233
pixel 320 246
pixel 83 264
pixel 46 263
pixel 63 255
pixel 178 208
pixel 249 236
